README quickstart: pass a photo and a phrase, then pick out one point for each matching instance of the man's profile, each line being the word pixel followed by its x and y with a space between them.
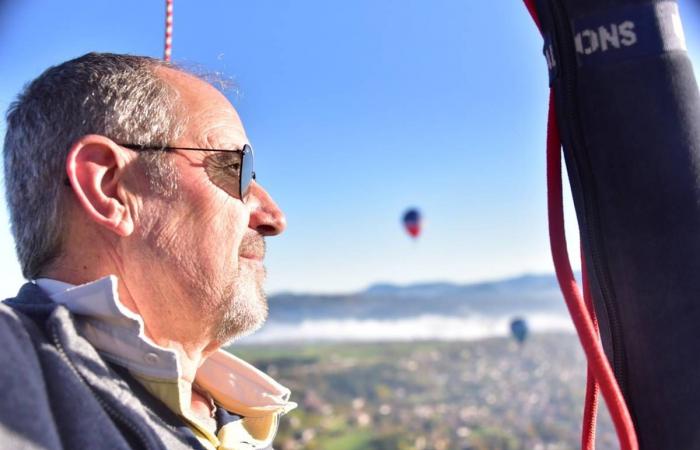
pixel 140 227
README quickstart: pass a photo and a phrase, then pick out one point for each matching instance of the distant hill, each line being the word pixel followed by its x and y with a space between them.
pixel 521 295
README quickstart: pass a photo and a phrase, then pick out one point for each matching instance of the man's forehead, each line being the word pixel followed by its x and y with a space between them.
pixel 210 117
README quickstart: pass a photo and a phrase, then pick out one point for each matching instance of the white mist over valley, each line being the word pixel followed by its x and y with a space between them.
pixel 435 311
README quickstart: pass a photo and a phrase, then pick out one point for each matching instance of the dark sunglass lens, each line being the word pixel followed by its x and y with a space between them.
pixel 224 169
pixel 247 170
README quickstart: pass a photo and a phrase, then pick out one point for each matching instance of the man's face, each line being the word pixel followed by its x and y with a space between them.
pixel 208 244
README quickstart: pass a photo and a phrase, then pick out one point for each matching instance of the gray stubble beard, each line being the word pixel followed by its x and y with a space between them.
pixel 241 315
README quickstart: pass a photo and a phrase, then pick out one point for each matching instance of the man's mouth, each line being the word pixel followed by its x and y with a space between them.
pixel 253 248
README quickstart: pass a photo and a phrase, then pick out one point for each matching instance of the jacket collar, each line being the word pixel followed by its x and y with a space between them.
pixel 118 335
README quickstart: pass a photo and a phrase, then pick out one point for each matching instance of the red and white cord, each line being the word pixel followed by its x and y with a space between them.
pixel 168 30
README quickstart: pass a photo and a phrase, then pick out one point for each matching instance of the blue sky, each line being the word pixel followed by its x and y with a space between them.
pixel 357 110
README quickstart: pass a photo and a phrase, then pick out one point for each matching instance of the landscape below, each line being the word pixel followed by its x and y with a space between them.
pixel 442 395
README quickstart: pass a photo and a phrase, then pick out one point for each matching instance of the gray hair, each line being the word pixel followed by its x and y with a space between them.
pixel 118 96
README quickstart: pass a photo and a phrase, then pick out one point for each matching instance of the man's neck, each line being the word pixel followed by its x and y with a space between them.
pixel 191 351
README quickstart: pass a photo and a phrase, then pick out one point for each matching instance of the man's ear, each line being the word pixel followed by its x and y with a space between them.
pixel 95 167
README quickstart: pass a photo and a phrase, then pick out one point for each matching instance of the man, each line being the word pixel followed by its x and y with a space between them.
pixel 139 223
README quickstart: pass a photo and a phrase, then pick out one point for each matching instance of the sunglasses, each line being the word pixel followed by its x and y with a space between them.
pixel 230 170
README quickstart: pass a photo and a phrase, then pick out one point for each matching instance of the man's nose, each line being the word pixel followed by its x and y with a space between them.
pixel 265 216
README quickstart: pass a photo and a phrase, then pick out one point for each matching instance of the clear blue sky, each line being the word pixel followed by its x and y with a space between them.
pixel 357 110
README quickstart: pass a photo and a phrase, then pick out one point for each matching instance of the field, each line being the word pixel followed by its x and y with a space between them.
pixel 489 394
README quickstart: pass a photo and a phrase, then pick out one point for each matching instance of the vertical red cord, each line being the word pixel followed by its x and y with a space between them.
pixel 587 333
pixel 168 30
pixel 590 408
pixel 590 411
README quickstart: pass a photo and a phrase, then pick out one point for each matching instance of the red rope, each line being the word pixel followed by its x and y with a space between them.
pixel 588 334
pixel 168 30
pixel 590 406
pixel 590 412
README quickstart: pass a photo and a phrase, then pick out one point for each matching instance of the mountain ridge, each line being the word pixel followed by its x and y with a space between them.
pixel 523 294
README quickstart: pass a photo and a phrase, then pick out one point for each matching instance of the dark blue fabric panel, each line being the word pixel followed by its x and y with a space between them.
pixel 630 125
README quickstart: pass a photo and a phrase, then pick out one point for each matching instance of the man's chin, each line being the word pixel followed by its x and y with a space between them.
pixel 247 311
pixel 230 332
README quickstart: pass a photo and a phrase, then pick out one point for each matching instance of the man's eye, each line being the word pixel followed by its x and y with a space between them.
pixel 233 168
pixel 226 162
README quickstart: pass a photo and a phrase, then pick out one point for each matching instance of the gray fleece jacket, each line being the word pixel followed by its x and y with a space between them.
pixel 58 393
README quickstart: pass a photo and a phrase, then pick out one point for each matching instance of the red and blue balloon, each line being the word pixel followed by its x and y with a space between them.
pixel 412 219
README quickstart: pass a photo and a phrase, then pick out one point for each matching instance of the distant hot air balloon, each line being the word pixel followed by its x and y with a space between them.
pixel 412 222
pixel 518 327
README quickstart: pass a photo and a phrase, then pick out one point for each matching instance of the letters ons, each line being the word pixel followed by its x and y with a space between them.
pixel 605 38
